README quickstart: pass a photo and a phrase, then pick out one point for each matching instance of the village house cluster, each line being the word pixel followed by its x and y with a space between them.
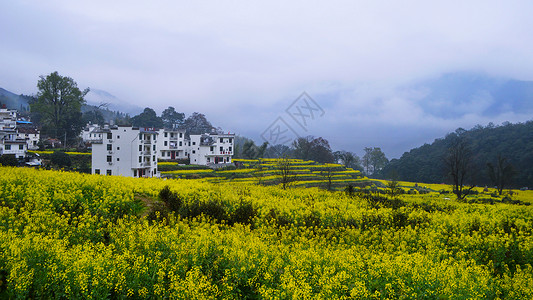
pixel 121 150
pixel 134 151
pixel 17 136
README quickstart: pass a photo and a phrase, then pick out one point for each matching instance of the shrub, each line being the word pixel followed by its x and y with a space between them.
pixel 60 159
pixel 9 160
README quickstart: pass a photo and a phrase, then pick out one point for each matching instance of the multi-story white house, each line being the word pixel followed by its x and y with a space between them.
pixel 171 144
pixel 210 149
pixel 125 151
pixel 10 144
pixel 31 135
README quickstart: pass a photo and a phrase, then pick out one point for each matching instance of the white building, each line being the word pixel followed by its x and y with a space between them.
pixel 88 134
pixel 171 144
pixel 31 135
pixel 125 151
pixel 8 118
pixel 10 144
pixel 210 149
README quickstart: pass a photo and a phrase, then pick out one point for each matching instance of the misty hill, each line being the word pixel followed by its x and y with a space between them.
pixel 96 97
pixel 513 141
pixel 13 101
pixel 453 95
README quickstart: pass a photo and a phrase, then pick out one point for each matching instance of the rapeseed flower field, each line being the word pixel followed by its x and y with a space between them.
pixel 80 236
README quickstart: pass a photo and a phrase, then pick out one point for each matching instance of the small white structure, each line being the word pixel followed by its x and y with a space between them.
pixel 125 151
pixel 171 144
pixel 88 134
pixel 211 149
pixel 8 118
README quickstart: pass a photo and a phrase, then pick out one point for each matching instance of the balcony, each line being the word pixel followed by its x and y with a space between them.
pixel 175 138
pixel 147 141
pixel 96 141
pixel 147 164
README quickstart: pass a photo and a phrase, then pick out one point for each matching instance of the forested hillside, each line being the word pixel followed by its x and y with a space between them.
pixel 512 141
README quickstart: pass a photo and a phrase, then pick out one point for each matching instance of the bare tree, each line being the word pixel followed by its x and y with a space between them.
pixel 501 174
pixel 458 161
pixel 258 171
pixel 367 160
pixel 328 173
pixel 393 184
pixel 287 175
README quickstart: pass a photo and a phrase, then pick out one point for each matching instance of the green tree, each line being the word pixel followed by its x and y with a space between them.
pixel 348 159
pixel 374 160
pixel 171 118
pixel 94 116
pixel 58 106
pixel 148 118
pixel 278 151
pixel 302 147
pixel 251 151
pixel 311 148
pixel 197 123
pixel 378 159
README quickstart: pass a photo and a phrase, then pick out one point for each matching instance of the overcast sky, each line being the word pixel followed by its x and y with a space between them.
pixel 244 63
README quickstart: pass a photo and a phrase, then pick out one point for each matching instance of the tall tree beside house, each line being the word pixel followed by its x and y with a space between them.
pixel 197 123
pixel 251 151
pixel 57 107
pixel 171 118
pixel 148 118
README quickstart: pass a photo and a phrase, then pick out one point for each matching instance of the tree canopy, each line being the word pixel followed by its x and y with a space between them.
pixel 171 118
pixel 374 160
pixel 348 159
pixel 57 107
pixel 515 141
pixel 311 148
pixel 148 118
pixel 197 123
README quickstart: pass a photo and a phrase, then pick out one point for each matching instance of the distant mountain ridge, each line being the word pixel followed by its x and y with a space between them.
pixel 94 98
pixel 97 97
pixel 14 101
pixel 512 141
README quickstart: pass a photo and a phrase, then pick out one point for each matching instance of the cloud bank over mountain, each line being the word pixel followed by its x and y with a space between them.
pixel 368 64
